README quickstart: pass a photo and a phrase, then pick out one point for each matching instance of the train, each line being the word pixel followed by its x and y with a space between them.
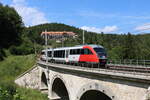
pixel 80 54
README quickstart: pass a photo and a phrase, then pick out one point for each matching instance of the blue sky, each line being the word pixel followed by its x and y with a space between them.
pixel 110 16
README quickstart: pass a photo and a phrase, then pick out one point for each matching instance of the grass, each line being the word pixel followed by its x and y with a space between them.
pixel 30 94
pixel 12 67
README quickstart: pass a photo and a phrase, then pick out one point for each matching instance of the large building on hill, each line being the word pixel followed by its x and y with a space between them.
pixel 58 35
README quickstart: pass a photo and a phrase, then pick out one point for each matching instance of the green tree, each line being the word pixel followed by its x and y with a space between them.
pixel 129 47
pixel 10 26
pixel 116 53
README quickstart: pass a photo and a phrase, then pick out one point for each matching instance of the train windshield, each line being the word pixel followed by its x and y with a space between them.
pixel 101 52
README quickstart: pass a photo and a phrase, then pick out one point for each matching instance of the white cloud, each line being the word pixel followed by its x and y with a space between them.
pixel 143 27
pixel 105 29
pixel 19 1
pixel 30 15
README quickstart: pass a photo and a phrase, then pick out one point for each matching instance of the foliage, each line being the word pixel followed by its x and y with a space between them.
pixel 10 68
pixel 10 26
pixel 2 54
pixel 30 94
pixel 27 47
pixel 118 46
pixel 10 94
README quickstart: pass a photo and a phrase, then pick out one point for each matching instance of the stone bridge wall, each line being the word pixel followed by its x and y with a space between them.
pixel 30 78
pixel 115 89
pixel 77 83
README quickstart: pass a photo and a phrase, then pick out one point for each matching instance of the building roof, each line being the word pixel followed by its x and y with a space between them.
pixel 58 33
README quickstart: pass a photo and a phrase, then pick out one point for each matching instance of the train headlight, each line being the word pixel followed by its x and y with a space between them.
pixel 103 57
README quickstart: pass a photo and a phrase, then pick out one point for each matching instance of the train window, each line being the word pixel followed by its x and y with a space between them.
pixel 81 51
pixel 55 54
pixel 78 51
pixel 87 51
pixel 71 52
pixel 63 54
pixel 42 53
pixel 49 54
pixel 59 54
pixel 75 51
pixel 99 50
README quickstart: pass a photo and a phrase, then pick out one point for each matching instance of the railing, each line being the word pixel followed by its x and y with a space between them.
pixel 130 62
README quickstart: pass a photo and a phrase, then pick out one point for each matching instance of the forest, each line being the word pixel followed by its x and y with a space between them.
pixel 18 40
pixel 118 46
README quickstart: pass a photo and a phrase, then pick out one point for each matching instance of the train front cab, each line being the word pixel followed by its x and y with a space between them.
pixel 101 53
pixel 96 55
pixel 43 55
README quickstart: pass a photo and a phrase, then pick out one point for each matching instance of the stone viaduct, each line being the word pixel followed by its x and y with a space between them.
pixel 66 82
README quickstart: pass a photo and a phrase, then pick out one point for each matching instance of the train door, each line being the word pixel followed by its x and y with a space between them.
pixel 74 55
pixel 67 55
pixel 87 56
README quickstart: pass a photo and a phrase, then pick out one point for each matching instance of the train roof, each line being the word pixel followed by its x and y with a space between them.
pixel 91 45
pixel 80 46
pixel 47 49
pixel 75 47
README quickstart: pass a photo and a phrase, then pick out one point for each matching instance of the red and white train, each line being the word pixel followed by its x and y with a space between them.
pixel 78 54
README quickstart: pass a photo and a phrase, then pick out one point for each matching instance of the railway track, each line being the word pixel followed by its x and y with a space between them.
pixel 127 68
pixel 130 68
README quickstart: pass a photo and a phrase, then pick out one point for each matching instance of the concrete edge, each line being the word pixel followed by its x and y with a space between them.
pixel 34 66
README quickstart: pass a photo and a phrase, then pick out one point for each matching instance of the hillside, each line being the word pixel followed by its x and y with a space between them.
pixel 118 46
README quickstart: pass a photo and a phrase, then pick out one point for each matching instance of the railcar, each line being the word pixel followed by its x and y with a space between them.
pixel 93 54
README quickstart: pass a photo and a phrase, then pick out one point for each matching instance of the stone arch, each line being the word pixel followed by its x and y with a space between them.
pixel 97 90
pixel 59 89
pixel 44 82
pixel 94 95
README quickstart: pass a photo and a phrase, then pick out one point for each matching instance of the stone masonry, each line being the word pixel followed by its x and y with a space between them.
pixel 77 82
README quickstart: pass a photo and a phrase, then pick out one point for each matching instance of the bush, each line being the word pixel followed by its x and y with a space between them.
pixel 21 50
pixel 10 94
pixel 2 54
